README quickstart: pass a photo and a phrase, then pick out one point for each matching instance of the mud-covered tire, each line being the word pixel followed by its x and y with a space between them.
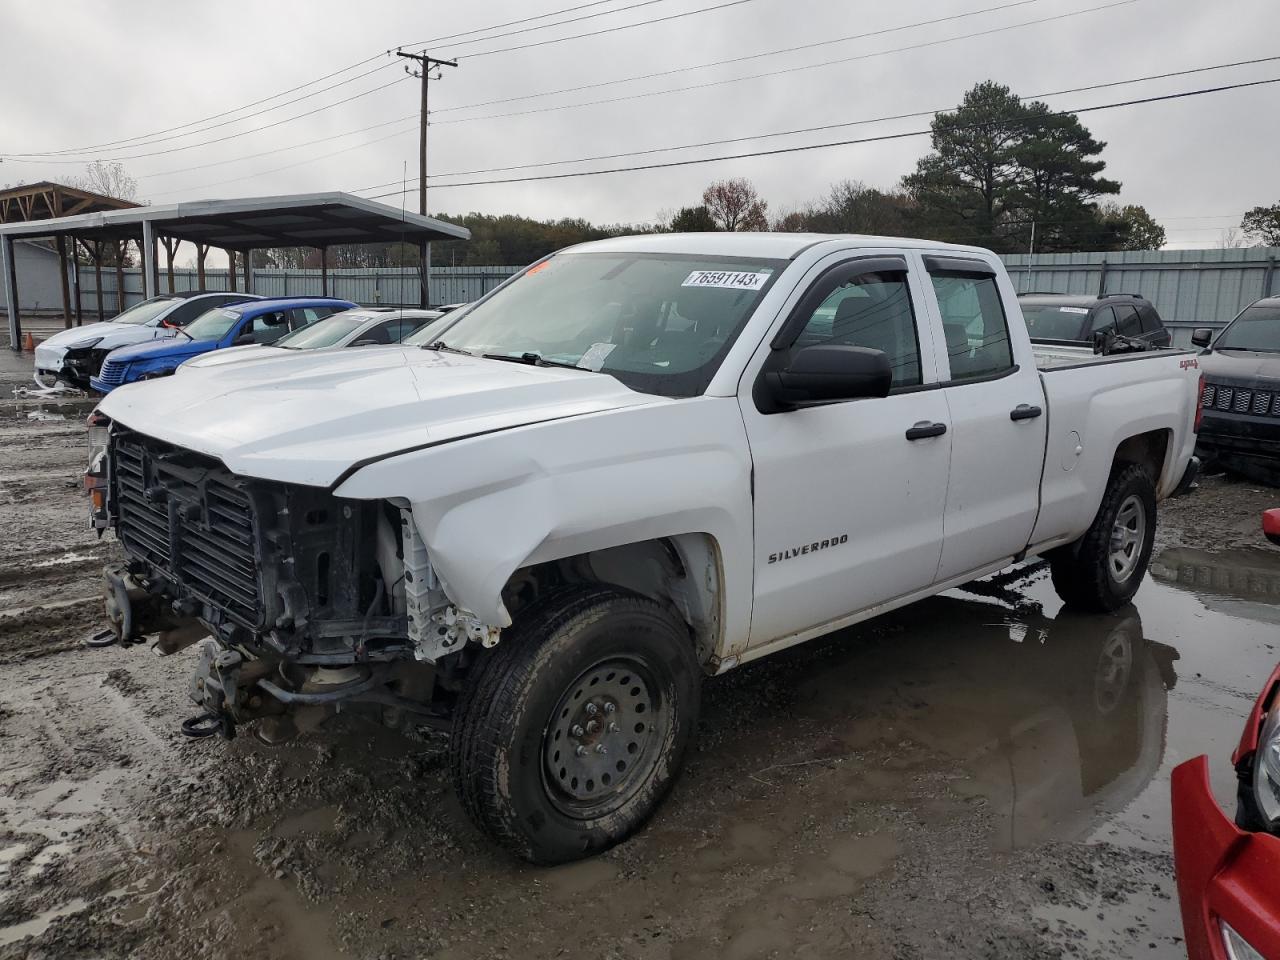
pixel 1087 573
pixel 617 651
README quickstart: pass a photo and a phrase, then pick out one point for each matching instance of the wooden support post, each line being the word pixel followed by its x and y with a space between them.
pixel 231 270
pixel 248 271
pixel 202 251
pixel 170 251
pixel 62 275
pixel 324 271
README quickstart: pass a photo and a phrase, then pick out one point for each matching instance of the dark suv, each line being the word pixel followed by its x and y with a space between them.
pixel 1240 429
pixel 1063 318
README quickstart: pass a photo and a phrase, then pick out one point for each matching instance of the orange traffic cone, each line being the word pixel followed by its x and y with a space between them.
pixel 29 343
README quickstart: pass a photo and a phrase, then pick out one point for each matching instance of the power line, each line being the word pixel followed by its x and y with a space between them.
pixel 847 123
pixel 753 56
pixel 55 157
pixel 614 29
pixel 838 143
pixel 230 136
pixel 825 42
pixel 545 26
pixel 156 136
pixel 797 69
pixel 290 166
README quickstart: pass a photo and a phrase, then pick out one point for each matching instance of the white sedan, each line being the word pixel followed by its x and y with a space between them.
pixel 363 326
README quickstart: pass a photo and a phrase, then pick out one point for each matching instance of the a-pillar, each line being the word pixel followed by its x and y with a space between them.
pixel 10 280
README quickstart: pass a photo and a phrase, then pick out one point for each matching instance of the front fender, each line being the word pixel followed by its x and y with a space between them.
pixel 488 505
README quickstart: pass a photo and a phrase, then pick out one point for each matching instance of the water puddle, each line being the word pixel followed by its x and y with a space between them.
pixel 39 923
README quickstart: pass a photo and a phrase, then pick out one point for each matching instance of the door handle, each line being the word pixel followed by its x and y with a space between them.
pixel 926 428
pixel 1024 411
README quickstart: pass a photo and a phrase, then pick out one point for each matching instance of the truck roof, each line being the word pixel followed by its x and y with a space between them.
pixel 772 246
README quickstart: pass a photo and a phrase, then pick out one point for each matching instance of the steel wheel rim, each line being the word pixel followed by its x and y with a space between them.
pixel 616 705
pixel 1115 664
pixel 1128 534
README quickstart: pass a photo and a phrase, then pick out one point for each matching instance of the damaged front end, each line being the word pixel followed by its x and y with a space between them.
pixel 307 600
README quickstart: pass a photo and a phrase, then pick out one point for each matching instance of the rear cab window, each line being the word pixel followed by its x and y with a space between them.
pixel 973 318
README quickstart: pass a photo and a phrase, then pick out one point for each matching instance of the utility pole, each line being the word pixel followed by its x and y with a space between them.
pixel 423 71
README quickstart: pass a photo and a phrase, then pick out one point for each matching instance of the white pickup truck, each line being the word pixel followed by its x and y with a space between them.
pixel 638 462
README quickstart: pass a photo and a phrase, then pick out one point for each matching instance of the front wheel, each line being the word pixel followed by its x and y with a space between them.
pixel 570 732
pixel 1102 570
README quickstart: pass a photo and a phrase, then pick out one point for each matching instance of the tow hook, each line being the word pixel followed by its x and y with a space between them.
pixel 133 613
pixel 119 599
pixel 207 725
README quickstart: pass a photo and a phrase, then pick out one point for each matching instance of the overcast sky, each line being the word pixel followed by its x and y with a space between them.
pixel 96 73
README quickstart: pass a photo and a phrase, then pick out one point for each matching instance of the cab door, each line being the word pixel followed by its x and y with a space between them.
pixel 849 496
pixel 996 408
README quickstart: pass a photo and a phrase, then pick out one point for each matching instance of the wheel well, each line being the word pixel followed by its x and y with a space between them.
pixel 1146 449
pixel 683 573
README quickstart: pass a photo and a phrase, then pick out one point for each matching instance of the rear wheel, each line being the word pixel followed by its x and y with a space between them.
pixel 574 728
pixel 1104 568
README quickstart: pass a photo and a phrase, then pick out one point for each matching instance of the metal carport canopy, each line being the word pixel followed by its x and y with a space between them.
pixel 297 220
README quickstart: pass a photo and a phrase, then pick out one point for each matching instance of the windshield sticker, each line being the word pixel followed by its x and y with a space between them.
pixel 1073 309
pixel 594 358
pixel 726 280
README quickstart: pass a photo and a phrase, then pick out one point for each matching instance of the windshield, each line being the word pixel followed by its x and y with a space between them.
pixel 1051 321
pixel 145 311
pixel 430 332
pixel 324 333
pixel 212 324
pixel 1258 328
pixel 660 323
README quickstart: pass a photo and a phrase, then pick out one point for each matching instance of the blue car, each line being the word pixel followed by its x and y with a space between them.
pixel 258 321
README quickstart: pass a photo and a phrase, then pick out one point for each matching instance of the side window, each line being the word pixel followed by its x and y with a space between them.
pixel 871 310
pixel 268 327
pixel 185 312
pixel 1104 319
pixel 303 316
pixel 974 323
pixel 1127 321
pixel 1150 320
pixel 384 332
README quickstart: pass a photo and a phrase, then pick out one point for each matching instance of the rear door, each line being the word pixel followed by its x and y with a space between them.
pixel 848 508
pixel 995 405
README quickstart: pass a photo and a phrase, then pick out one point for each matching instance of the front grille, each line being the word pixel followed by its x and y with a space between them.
pixel 190 519
pixel 1233 398
pixel 113 371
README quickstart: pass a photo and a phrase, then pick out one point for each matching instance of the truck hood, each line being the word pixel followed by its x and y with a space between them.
pixel 310 418
pixel 112 334
pixel 1241 364
pixel 175 347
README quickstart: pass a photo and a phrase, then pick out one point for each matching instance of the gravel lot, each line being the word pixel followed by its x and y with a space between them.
pixel 982 775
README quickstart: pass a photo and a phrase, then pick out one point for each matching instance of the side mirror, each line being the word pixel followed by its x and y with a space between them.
pixel 823 373
pixel 244 340
pixel 1202 336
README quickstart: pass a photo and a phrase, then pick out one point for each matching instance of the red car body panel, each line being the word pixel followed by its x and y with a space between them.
pixel 1223 872
pixel 1253 728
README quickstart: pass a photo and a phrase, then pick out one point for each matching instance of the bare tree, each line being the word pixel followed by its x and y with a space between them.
pixel 108 179
pixel 735 205
pixel 1232 239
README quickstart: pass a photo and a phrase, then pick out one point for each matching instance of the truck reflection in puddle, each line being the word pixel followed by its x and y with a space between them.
pixel 1240 583
pixel 1057 723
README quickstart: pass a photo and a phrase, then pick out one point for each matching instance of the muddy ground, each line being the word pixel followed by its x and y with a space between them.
pixel 982 775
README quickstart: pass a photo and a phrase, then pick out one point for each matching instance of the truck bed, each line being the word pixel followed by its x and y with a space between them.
pixel 1053 356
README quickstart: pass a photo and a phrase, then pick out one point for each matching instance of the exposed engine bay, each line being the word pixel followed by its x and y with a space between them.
pixel 301 598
